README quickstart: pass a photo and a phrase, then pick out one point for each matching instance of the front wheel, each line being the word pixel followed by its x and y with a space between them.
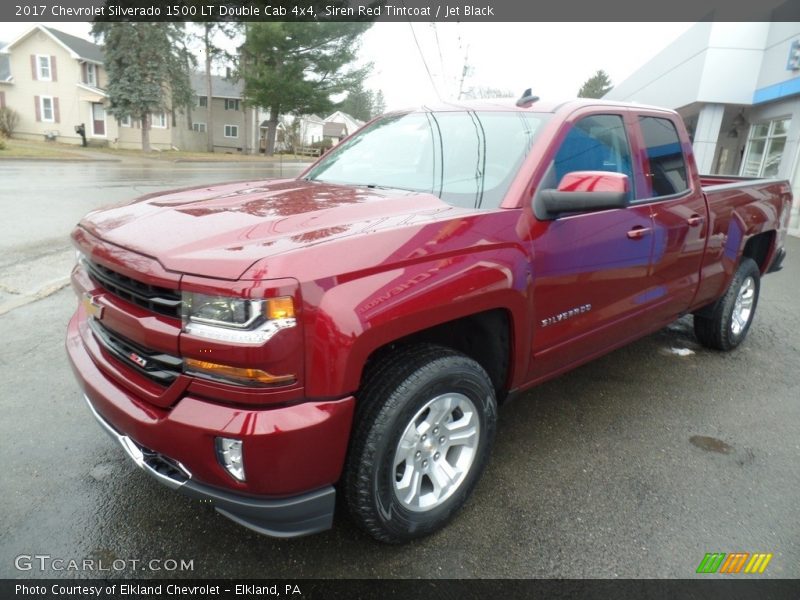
pixel 726 323
pixel 424 428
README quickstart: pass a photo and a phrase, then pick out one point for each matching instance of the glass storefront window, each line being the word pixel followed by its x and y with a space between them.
pixel 765 146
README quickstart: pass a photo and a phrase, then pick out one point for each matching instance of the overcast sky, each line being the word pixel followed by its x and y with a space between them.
pixel 552 58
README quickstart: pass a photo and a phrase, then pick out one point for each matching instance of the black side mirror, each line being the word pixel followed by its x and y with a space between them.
pixel 585 191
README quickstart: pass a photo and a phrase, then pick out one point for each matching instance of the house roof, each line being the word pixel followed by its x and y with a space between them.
pixel 340 116
pixel 220 86
pixel 78 48
pixel 83 48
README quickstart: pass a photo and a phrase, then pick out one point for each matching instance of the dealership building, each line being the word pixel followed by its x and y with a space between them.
pixel 737 87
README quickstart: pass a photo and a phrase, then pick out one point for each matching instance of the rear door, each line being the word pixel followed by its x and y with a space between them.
pixel 679 214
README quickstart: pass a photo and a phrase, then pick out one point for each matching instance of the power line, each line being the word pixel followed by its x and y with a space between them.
pixel 424 62
pixel 439 47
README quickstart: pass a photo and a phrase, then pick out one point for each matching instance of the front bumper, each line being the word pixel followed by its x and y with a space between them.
pixel 287 517
pixel 292 454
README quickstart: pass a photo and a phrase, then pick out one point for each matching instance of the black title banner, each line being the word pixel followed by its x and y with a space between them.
pixel 400 10
pixel 406 589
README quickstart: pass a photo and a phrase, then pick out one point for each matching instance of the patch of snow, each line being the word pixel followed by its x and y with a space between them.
pixel 680 351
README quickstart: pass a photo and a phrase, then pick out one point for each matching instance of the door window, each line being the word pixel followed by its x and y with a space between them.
pixel 596 143
pixel 667 170
pixel 98 119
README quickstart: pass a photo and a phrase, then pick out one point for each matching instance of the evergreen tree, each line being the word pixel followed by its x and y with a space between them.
pixel 363 104
pixel 378 104
pixel 297 67
pixel 148 68
pixel 597 86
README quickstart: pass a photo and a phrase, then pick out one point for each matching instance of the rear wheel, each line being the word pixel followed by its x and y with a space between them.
pixel 424 427
pixel 725 324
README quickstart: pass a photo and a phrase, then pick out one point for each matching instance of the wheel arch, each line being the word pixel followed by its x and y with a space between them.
pixel 477 307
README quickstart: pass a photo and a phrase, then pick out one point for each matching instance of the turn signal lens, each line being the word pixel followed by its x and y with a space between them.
pixel 236 374
pixel 280 308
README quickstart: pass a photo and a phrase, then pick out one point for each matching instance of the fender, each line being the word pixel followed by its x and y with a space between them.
pixel 755 210
pixel 357 317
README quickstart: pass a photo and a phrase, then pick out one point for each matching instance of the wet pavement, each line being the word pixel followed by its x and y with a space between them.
pixel 42 201
pixel 635 465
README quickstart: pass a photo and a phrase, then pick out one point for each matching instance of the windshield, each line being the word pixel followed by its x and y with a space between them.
pixel 467 159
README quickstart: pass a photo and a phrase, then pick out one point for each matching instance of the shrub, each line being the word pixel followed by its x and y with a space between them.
pixel 2 143
pixel 9 119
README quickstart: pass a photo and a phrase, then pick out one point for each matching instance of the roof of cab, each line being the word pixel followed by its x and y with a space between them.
pixel 540 106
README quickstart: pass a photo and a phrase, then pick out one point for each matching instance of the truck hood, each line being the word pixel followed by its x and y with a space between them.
pixel 222 230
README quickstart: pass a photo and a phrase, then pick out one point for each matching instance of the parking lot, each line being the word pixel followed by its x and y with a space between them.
pixel 635 465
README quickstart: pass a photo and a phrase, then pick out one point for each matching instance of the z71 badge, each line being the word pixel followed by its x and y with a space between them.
pixel 567 314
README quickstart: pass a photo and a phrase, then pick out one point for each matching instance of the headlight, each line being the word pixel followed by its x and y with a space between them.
pixel 239 320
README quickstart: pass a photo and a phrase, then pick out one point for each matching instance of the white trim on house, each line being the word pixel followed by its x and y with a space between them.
pixel 162 118
pixel 91 120
pixel 91 74
pixel 94 90
pixel 42 113
pixel 39 67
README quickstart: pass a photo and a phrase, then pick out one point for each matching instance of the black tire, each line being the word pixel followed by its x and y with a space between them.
pixel 715 326
pixel 395 390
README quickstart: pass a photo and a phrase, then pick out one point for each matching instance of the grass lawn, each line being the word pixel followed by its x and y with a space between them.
pixel 28 149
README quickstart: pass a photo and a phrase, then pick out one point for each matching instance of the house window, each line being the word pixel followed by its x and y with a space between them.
pixel 43 71
pixel 765 146
pixel 202 101
pixel 125 121
pixel 199 127
pixel 231 104
pixel 160 120
pixel 47 109
pixel 91 75
pixel 231 131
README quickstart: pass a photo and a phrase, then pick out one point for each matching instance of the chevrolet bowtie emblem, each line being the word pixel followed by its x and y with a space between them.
pixel 92 308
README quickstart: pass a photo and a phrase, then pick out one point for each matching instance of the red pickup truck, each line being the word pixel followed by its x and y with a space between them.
pixel 262 344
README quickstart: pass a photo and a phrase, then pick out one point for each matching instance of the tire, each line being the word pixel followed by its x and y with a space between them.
pixel 402 481
pixel 724 325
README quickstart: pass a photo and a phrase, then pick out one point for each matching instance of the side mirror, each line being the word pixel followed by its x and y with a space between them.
pixel 582 191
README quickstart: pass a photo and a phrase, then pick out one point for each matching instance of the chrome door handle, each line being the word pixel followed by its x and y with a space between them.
pixel 694 220
pixel 638 232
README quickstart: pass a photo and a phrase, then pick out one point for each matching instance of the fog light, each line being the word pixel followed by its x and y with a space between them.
pixel 230 455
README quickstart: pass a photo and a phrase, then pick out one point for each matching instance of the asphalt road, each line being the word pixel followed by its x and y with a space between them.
pixel 635 465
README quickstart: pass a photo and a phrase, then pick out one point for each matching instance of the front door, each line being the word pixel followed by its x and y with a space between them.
pixel 98 120
pixel 590 270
